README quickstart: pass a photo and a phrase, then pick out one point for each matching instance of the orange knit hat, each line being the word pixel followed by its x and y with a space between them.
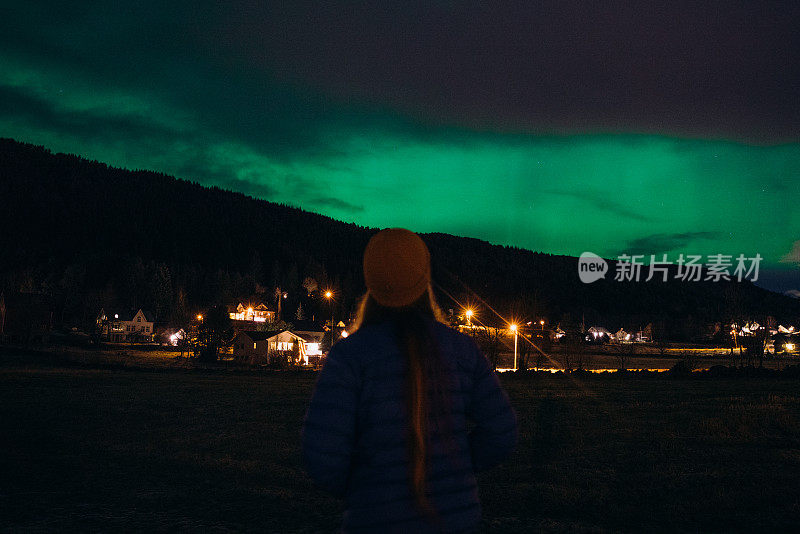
pixel 397 267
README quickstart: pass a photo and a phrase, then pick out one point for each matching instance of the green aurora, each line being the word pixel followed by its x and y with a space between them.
pixel 609 193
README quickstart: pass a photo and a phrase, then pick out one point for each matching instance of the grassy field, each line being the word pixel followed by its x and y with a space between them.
pixel 161 449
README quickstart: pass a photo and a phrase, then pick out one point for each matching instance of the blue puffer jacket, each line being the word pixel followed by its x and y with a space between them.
pixel 354 437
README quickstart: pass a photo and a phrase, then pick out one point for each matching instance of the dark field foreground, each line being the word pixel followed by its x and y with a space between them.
pixel 110 450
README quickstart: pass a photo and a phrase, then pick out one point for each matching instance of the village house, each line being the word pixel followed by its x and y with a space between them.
pixel 312 346
pixel 254 314
pixel 257 347
pixel 252 346
pixel 119 326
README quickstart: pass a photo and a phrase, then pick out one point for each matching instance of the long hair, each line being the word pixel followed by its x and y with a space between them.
pixel 426 392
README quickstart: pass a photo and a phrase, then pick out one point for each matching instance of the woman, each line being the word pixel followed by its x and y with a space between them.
pixel 387 428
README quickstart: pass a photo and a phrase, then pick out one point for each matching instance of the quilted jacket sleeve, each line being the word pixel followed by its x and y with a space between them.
pixel 495 433
pixel 330 424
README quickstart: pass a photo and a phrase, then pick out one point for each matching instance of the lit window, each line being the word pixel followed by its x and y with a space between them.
pixel 254 346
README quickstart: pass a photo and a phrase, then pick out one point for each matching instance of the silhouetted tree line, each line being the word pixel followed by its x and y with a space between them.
pixel 90 235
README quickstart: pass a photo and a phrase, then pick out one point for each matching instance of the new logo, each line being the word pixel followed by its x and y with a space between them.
pixel 591 267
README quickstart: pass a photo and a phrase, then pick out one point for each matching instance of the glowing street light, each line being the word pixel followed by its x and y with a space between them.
pixel 199 317
pixel 514 329
pixel 329 296
pixel 469 317
pixel 542 323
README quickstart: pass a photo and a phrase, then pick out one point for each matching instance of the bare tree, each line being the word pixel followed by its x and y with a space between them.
pixel 573 354
pixel 754 346
pixel 623 352
pixel 524 351
pixel 660 337
pixel 488 340
pixel 214 331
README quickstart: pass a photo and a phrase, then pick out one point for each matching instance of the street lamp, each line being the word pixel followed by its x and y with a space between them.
pixel 542 323
pixel 329 296
pixel 469 317
pixel 199 317
pixel 514 329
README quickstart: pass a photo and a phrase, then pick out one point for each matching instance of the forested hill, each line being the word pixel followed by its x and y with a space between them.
pixel 91 235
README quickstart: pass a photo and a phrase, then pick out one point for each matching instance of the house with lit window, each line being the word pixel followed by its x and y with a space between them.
pixel 258 313
pixel 118 326
pixel 252 346
pixel 257 347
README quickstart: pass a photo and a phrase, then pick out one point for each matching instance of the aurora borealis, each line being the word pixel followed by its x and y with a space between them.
pixel 575 129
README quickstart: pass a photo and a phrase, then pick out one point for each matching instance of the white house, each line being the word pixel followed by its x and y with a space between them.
pixel 256 314
pixel 257 347
pixel 622 335
pixel 120 326
pixel 251 346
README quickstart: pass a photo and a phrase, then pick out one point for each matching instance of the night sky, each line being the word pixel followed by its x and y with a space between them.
pixel 563 127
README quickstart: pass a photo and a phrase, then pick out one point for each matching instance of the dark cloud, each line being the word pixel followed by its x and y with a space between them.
pixel 793 256
pixel 260 69
pixel 138 133
pixel 202 169
pixel 87 125
pixel 688 68
pixel 663 243
pixel 335 203
pixel 248 188
pixel 601 200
